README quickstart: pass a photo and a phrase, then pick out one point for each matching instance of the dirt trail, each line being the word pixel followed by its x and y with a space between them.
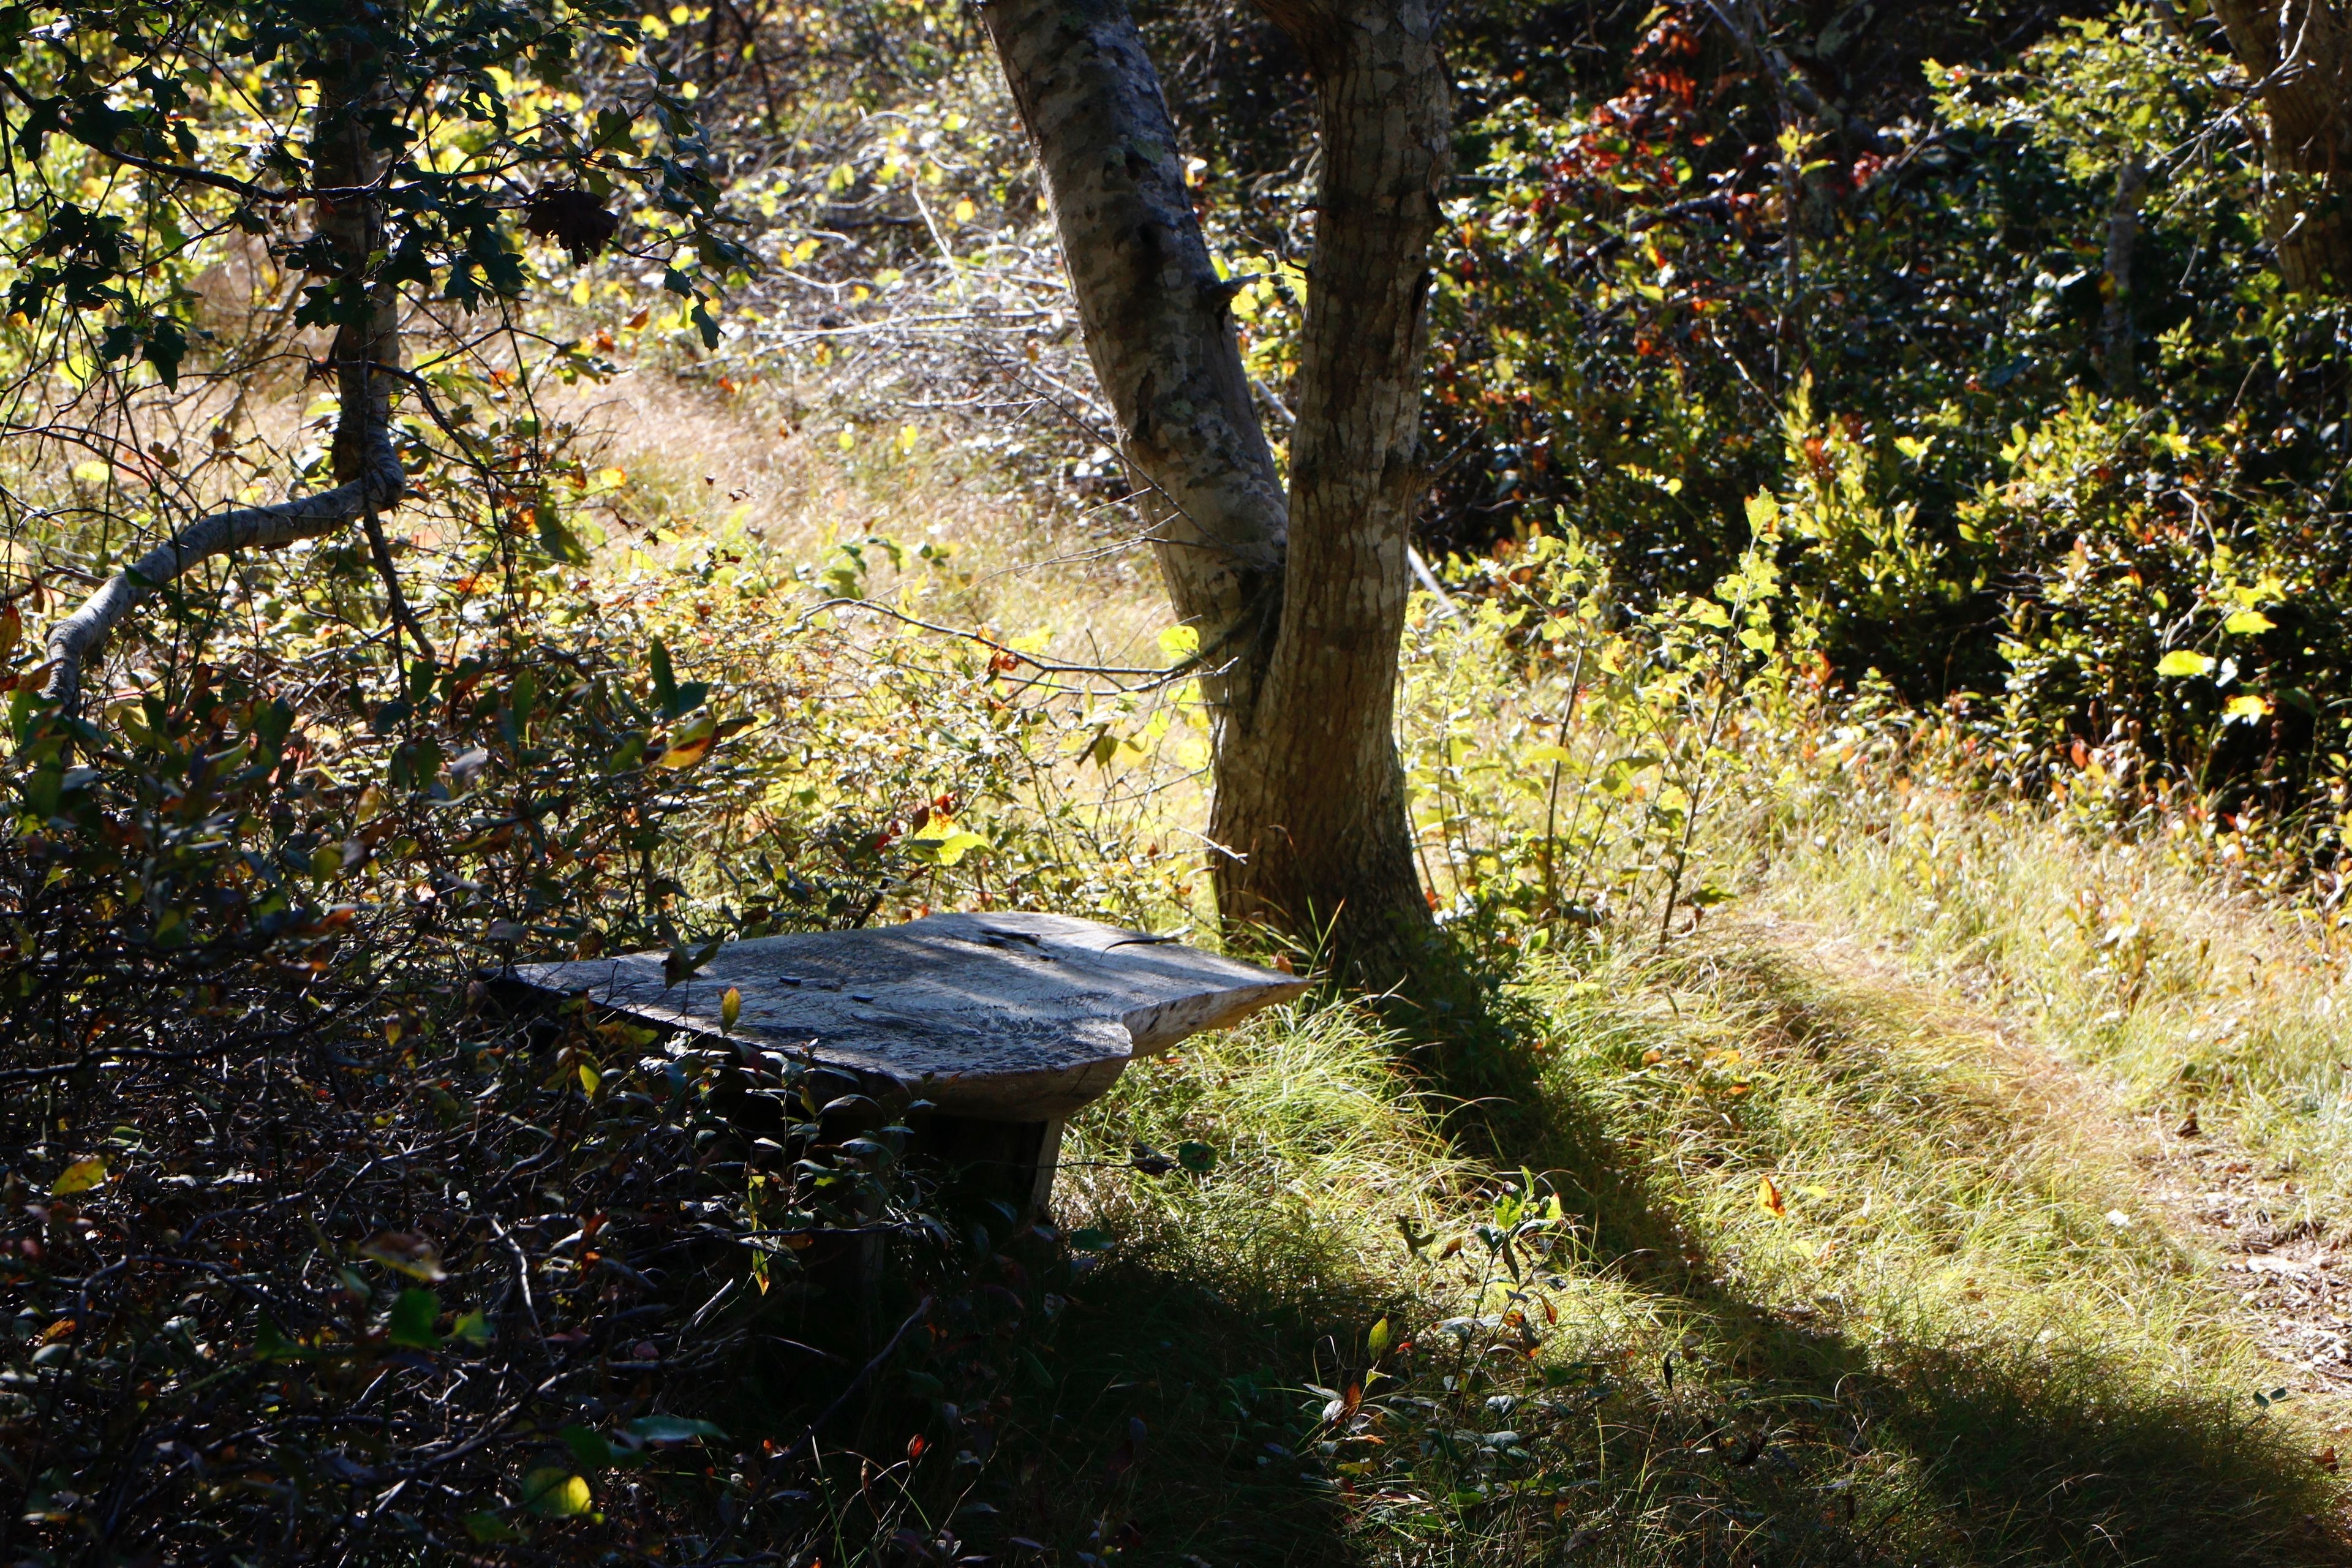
pixel 2286 1268
pixel 2279 1272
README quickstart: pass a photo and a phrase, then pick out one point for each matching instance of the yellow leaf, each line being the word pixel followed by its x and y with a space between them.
pixel 589 1079
pixel 1769 1198
pixel 2245 709
pixel 691 743
pixel 731 1007
pixel 79 1178
pixel 1378 1339
pixel 1180 642
pixel 965 212
pixel 2181 662
pixel 940 842
pixel 557 1494
pixel 686 757
pixel 2245 622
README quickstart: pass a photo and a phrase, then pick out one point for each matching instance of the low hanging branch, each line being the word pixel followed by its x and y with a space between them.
pixel 367 79
pixel 349 215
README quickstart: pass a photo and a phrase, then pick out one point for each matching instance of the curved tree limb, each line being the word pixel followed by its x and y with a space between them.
pixel 1156 317
pixel 73 640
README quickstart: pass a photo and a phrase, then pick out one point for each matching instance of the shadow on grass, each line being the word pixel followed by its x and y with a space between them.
pixel 1128 1416
pixel 1801 1445
pixel 1217 1475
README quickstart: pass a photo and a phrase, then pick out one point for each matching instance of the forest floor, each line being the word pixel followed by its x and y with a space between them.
pixel 1969 1190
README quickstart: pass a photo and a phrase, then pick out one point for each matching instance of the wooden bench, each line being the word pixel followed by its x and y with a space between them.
pixel 1006 1024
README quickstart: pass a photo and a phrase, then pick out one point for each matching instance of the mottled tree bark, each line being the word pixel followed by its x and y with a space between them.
pixel 1156 324
pixel 2300 54
pixel 2118 332
pixel 1299 599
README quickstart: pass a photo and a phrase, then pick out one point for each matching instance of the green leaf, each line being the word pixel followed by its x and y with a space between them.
pixel 1379 1339
pixel 411 1322
pixel 665 678
pixel 2180 661
pixel 270 1344
pixel 588 1448
pixel 167 345
pixel 491 1530
pixel 473 1329
pixel 1090 1240
pixel 1198 1158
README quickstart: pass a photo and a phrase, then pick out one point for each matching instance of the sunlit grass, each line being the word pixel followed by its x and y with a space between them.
pixel 1946 1325
pixel 2120 956
pixel 1851 1266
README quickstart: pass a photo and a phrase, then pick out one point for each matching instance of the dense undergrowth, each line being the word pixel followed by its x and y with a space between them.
pixel 1729 1206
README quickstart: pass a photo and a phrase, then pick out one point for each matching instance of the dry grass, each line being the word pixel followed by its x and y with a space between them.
pixel 2120 956
pixel 703 464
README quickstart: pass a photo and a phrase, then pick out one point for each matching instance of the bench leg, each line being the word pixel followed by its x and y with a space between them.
pixel 1048 1160
pixel 1011 1162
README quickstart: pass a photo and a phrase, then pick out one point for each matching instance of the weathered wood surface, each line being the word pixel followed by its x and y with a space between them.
pixel 1020 1017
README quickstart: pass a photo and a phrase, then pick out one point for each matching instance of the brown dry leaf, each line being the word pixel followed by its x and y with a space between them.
pixel 408 1253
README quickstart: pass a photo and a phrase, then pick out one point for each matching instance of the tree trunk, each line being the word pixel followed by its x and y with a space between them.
pixel 2300 52
pixel 1299 600
pixel 2118 329
pixel 1155 320
pixel 344 167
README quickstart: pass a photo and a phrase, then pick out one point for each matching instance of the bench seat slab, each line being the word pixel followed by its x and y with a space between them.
pixel 1013 1018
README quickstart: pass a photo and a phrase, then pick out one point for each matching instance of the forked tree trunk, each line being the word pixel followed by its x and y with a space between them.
pixel 2300 52
pixel 1299 599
